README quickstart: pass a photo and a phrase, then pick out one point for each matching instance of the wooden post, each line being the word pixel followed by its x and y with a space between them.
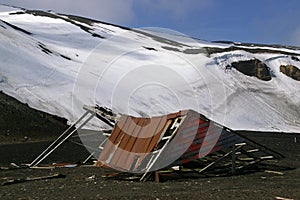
pixel 233 168
pixel 156 176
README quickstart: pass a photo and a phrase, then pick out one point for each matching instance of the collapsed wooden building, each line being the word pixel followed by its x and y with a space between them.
pixel 144 145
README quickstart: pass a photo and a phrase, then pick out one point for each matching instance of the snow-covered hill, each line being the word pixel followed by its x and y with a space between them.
pixel 56 63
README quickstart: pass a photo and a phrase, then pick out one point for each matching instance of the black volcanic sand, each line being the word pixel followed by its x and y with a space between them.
pixel 19 123
pixel 22 145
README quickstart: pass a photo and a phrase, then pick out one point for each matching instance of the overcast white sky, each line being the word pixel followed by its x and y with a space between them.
pixel 258 21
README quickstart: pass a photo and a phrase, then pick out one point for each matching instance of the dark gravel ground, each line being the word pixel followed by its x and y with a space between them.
pixel 87 182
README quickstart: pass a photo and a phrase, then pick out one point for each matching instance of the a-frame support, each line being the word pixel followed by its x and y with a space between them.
pixel 83 120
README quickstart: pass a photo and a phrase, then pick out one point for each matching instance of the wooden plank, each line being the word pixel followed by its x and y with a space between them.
pixel 22 180
pixel 123 155
pixel 119 126
pixel 140 125
pixel 110 146
pixel 146 142
pixel 123 138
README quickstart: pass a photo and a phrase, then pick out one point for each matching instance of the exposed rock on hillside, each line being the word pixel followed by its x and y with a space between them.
pixel 253 68
pixel 291 71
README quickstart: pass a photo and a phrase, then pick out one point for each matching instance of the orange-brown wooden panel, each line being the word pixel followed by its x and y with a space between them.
pixel 140 123
pixel 138 148
pixel 133 137
pixel 126 160
pixel 105 153
pixel 114 138
pixel 124 139
pixel 148 136
pixel 118 128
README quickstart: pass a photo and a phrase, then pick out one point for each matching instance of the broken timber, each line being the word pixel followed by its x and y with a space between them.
pixel 143 145
pixel 22 180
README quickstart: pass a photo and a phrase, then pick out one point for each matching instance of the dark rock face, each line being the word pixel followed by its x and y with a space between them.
pixel 15 27
pixel 291 71
pixel 295 58
pixel 253 67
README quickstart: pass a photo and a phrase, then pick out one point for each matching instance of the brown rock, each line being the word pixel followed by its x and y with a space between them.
pixel 291 71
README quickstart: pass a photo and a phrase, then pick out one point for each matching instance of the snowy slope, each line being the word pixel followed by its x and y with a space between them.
pixel 57 63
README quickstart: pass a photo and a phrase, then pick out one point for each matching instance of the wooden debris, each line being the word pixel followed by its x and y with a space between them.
pixel 4 168
pixel 65 165
pixel 282 198
pixel 43 167
pixel 14 165
pixel 156 177
pixel 273 172
pixel 22 180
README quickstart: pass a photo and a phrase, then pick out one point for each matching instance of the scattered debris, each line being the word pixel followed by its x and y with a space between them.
pixel 14 165
pixel 22 180
pixel 113 174
pixel 91 178
pixel 273 172
pixel 282 198
pixel 26 138
pixel 43 167
pixel 66 165
pixel 4 168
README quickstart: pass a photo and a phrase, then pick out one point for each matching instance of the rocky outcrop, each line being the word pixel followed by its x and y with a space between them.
pixel 291 71
pixel 253 67
pixel 295 58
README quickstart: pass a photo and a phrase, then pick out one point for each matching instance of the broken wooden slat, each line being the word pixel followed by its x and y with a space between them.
pixel 22 180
